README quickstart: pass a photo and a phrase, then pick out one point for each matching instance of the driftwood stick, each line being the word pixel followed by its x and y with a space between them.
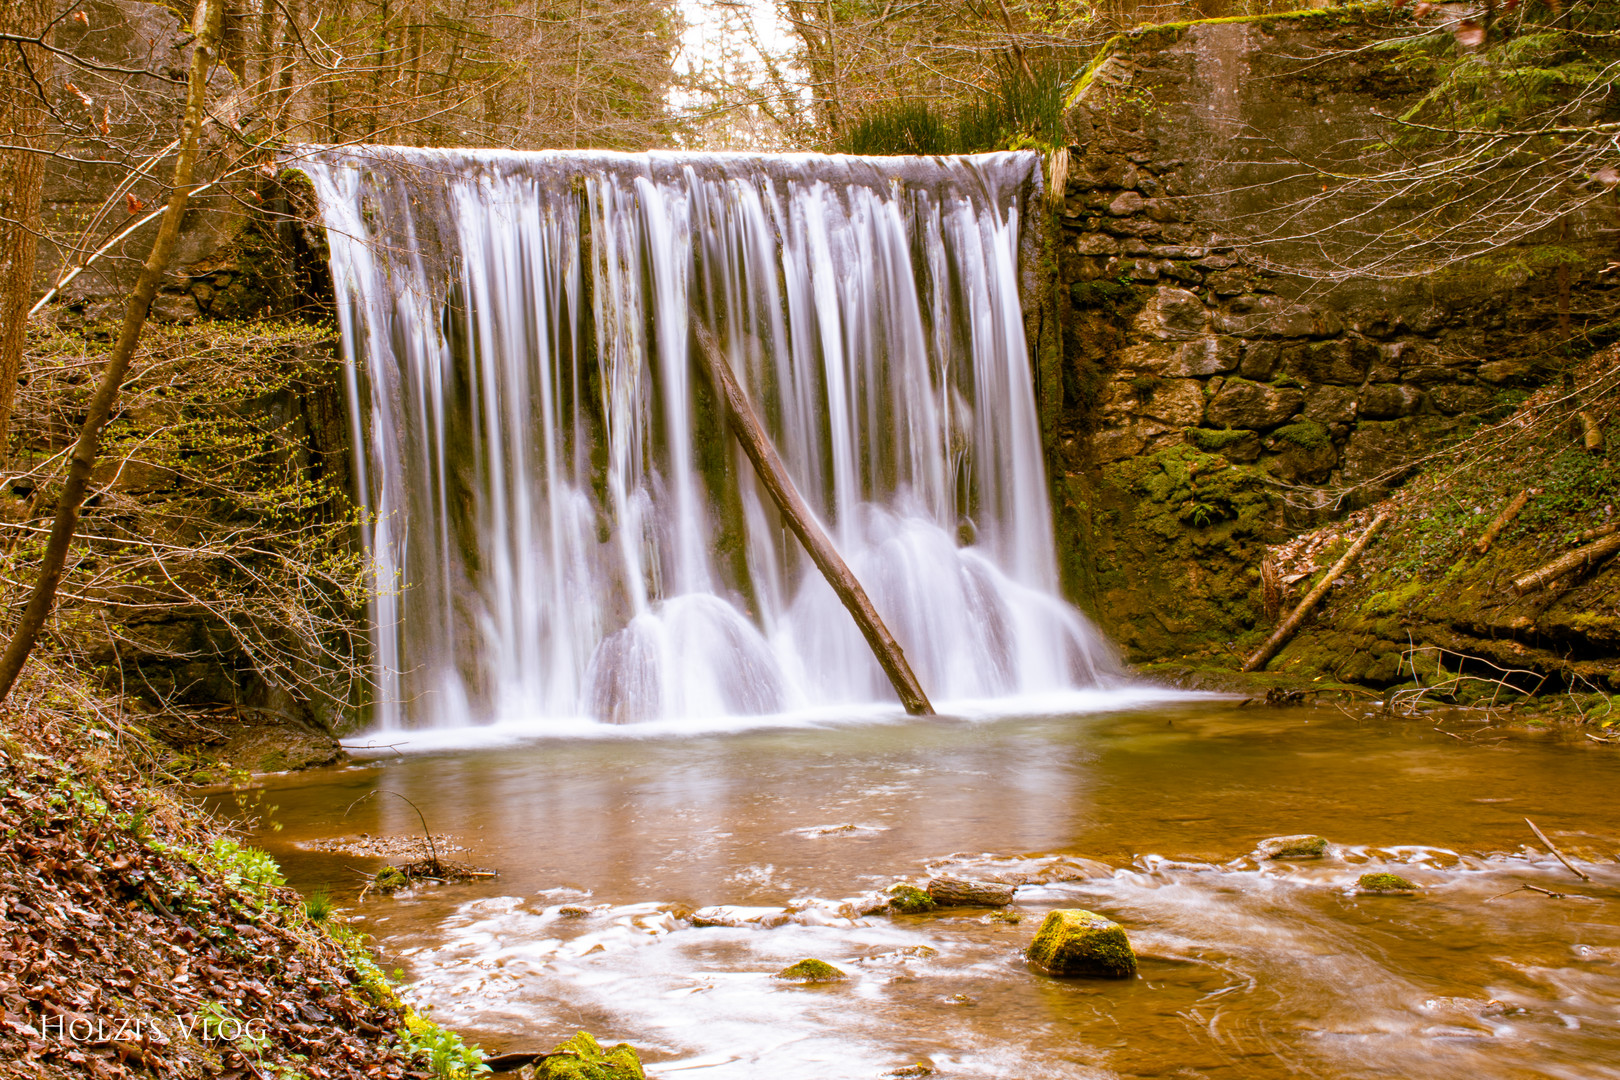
pixel 1578 559
pixel 1502 521
pixel 1554 849
pixel 1601 530
pixel 1591 432
pixel 1280 638
pixel 796 512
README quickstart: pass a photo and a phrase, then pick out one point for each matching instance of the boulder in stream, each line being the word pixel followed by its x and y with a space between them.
pixel 810 970
pixel 909 900
pixel 956 892
pixel 583 1058
pixel 1301 846
pixel 1385 884
pixel 1072 941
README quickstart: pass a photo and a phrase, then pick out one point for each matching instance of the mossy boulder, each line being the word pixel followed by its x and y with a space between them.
pixel 1301 846
pixel 1384 883
pixel 811 970
pixel 910 900
pixel 1072 941
pixel 583 1058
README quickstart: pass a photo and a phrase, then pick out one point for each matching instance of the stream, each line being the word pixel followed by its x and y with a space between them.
pixel 1143 807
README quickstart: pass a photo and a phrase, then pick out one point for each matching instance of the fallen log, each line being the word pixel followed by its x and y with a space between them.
pixel 1502 521
pixel 798 516
pixel 955 892
pixel 1591 432
pixel 1280 638
pixel 1579 559
pixel 1601 530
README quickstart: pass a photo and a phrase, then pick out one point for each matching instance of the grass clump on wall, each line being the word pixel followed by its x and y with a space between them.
pixel 1018 109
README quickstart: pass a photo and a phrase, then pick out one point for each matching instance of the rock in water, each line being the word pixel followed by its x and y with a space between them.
pixel 582 1058
pixel 954 892
pixel 811 970
pixel 1076 942
pixel 910 900
pixel 1303 846
pixel 1384 883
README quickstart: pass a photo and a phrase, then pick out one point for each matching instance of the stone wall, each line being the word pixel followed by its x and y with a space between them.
pixel 1209 405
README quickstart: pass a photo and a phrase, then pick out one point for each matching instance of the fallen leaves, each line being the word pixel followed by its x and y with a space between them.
pixel 105 920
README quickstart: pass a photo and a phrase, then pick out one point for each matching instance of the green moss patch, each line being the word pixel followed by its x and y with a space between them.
pixel 910 900
pixel 583 1058
pixel 1384 883
pixel 811 970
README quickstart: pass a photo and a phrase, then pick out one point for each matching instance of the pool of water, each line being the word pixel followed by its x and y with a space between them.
pixel 1150 816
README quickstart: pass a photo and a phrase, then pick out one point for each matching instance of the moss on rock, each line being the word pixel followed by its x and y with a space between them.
pixel 1384 883
pixel 811 970
pixel 583 1058
pixel 1072 941
pixel 910 900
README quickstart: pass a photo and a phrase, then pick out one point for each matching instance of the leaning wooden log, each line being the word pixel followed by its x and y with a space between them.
pixel 1578 559
pixel 798 516
pixel 1503 520
pixel 1280 638
pixel 955 892
pixel 1591 432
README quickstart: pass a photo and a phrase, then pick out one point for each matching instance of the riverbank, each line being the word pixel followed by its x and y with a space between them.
pixel 142 937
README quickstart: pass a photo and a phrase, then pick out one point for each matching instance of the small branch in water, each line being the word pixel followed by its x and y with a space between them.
pixel 1554 849
pixel 432 849
pixel 1543 892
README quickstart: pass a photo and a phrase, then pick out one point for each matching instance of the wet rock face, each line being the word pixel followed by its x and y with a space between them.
pixel 1075 942
pixel 1175 337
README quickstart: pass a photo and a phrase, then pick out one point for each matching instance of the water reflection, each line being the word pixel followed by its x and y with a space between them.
pixel 1249 969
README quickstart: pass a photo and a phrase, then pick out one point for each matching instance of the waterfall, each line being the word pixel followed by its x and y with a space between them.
pixel 561 524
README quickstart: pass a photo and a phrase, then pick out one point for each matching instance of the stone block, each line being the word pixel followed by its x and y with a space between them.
pixel 1260 360
pixel 1331 405
pixel 1126 203
pixel 1337 361
pixel 1172 313
pixel 1208 355
pixel 1149 358
pixel 1243 404
pixel 1389 401
pixel 1176 402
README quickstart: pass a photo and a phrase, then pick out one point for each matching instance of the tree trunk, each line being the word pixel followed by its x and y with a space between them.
pixel 1286 630
pixel 954 892
pixel 206 25
pixel 1578 559
pixel 798 516
pixel 22 183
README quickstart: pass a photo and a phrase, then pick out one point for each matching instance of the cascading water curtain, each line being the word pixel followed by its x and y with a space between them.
pixel 560 522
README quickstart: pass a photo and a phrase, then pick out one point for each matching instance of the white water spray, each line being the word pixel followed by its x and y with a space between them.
pixel 561 524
